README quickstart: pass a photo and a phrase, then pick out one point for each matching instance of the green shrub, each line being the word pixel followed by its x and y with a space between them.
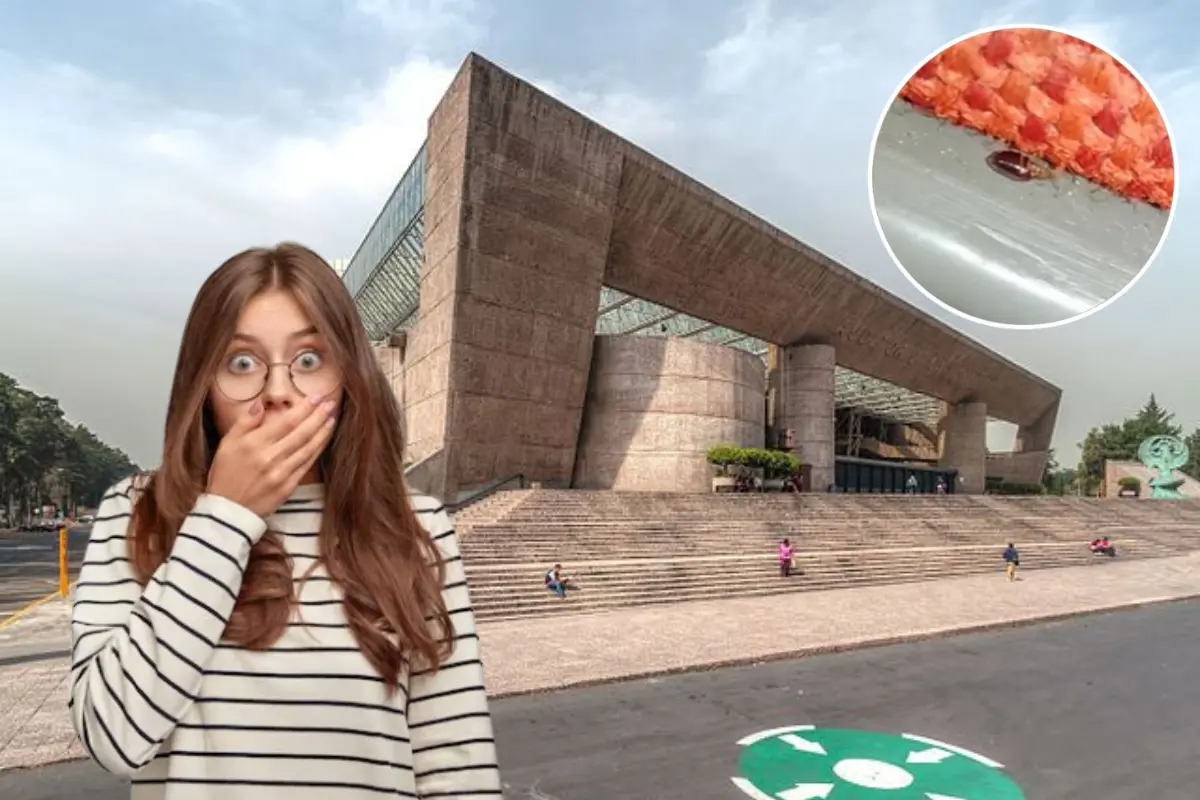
pixel 754 458
pixel 723 456
pixel 781 464
pixel 773 463
pixel 1129 482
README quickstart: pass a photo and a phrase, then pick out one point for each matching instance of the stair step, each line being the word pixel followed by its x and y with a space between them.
pixel 636 549
pixel 542 602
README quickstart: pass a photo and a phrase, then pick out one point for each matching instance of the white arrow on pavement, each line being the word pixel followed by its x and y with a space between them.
pixel 933 796
pixel 804 745
pixel 807 791
pixel 934 755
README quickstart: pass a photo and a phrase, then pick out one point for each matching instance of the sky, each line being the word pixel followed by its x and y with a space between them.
pixel 145 141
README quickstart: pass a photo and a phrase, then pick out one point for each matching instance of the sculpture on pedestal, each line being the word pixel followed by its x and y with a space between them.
pixel 1164 454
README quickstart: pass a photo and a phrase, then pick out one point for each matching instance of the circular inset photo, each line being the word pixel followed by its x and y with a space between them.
pixel 1022 177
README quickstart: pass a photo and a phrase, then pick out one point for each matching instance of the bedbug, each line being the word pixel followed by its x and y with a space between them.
pixel 1020 167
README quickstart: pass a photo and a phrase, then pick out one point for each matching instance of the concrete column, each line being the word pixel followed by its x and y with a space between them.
pixel 655 406
pixel 1032 446
pixel 520 195
pixel 391 361
pixel 964 445
pixel 807 406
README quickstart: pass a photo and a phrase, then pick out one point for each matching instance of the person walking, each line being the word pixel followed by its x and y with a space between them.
pixel 1012 560
pixel 270 614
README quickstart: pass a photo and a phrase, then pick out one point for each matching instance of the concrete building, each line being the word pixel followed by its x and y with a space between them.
pixel 552 301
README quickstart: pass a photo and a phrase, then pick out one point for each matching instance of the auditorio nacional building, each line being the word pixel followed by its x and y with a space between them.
pixel 553 302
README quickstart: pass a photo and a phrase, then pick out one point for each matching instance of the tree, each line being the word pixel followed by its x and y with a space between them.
pixel 45 459
pixel 1055 478
pixel 1120 442
pixel 1193 466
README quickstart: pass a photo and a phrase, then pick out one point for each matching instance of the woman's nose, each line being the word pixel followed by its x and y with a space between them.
pixel 279 391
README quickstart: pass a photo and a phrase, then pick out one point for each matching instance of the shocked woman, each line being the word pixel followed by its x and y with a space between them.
pixel 270 613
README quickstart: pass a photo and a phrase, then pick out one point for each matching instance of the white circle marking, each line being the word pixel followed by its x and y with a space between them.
pixel 871 774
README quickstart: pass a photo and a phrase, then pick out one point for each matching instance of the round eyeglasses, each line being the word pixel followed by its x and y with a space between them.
pixel 243 377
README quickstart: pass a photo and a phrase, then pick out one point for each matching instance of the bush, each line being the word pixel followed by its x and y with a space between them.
pixel 1129 482
pixel 723 456
pixel 773 463
pixel 780 464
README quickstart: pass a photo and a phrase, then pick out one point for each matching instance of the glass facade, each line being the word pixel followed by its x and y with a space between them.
pixel 866 476
pixel 391 298
pixel 400 214
pixel 622 314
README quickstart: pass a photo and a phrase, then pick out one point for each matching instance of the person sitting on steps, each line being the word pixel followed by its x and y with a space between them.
pixel 1103 546
pixel 787 556
pixel 557 582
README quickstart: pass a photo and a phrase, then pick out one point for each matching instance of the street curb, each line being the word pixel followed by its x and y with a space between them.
pixel 783 655
pixel 843 647
pixel 34 657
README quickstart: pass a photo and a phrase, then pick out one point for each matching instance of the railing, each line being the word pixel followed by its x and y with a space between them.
pixel 486 491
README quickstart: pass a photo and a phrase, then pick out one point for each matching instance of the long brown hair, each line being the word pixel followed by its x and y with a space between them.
pixel 371 543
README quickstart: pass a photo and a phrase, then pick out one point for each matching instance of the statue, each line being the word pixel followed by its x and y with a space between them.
pixel 1165 454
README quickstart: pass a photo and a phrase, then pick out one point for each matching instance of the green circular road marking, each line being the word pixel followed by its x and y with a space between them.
pixel 807 763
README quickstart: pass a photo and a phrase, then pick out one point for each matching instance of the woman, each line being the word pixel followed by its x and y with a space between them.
pixel 271 614
pixel 787 558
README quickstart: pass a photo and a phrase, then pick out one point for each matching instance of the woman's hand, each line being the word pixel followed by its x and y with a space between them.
pixel 259 462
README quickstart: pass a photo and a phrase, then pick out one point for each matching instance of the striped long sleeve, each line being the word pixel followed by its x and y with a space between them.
pixel 454 752
pixel 138 653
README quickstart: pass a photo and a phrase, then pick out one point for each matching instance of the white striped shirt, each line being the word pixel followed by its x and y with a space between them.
pixel 156 695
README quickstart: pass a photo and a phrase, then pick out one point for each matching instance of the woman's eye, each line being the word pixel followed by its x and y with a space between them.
pixel 242 363
pixel 308 361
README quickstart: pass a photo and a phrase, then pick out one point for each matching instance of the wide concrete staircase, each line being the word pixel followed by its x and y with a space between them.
pixel 640 548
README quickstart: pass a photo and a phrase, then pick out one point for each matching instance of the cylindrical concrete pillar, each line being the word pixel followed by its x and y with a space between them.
pixel 808 407
pixel 655 406
pixel 964 445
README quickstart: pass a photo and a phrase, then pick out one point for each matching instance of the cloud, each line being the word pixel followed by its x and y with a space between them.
pixel 421 22
pixel 642 119
pixel 119 200
pixel 116 207
pixel 118 204
pixel 797 96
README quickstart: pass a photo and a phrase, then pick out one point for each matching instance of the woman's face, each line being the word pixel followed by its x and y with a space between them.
pixel 276 357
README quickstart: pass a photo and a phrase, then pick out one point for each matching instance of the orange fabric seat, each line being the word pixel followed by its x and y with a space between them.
pixel 1056 97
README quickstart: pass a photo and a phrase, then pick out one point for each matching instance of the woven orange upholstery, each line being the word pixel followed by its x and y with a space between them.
pixel 1054 96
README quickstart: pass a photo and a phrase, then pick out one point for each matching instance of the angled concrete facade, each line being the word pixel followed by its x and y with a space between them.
pixel 530 209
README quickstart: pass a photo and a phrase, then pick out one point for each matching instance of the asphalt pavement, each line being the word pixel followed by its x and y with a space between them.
pixel 1097 708
pixel 29 566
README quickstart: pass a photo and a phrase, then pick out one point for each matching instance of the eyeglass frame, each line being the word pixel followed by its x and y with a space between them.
pixel 270 365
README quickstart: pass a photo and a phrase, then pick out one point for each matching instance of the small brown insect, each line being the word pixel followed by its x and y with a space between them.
pixel 1020 167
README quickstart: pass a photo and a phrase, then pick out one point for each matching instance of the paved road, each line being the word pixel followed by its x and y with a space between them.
pixel 29 566
pixel 1097 708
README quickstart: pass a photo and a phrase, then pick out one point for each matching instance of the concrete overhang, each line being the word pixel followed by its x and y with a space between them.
pixel 676 242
